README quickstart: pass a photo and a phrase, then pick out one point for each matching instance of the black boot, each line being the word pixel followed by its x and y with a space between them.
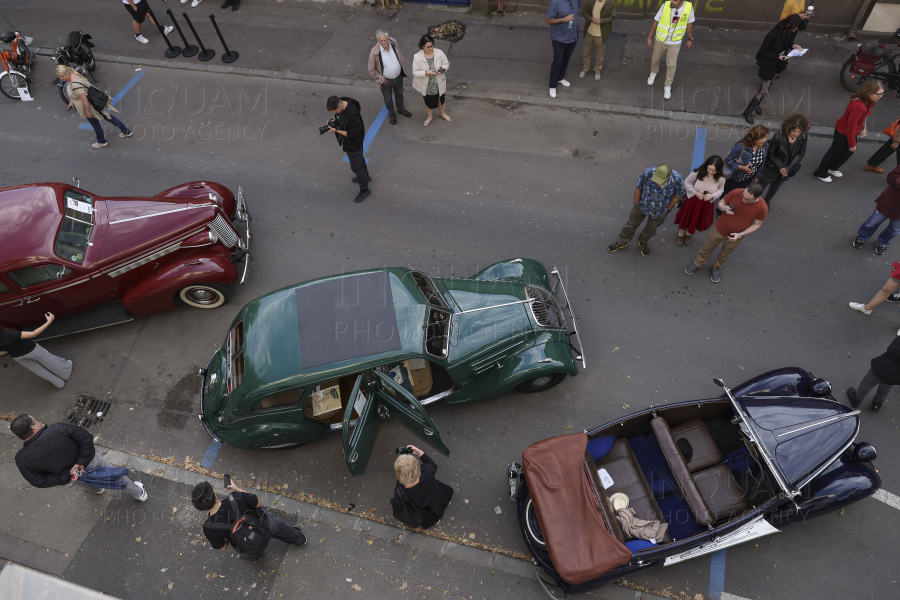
pixel 748 112
pixel 759 110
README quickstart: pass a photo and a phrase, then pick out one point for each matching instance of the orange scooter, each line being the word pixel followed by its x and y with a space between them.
pixel 15 64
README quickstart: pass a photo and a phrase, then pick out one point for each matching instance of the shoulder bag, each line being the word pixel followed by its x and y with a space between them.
pixel 727 171
pixel 97 98
pixel 891 130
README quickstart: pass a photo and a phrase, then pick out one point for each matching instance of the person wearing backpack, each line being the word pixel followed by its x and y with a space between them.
pixel 79 91
pixel 419 499
pixel 239 521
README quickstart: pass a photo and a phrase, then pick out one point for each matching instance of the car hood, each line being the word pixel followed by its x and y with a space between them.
pixel 802 435
pixel 136 224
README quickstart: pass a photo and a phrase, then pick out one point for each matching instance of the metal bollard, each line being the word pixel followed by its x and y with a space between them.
pixel 189 49
pixel 205 53
pixel 173 51
pixel 230 56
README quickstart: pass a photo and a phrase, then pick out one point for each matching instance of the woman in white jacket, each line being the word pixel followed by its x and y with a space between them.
pixel 429 66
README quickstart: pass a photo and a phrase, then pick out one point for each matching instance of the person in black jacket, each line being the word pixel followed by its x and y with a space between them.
pixel 53 455
pixel 884 373
pixel 772 59
pixel 350 132
pixel 416 482
pixel 786 149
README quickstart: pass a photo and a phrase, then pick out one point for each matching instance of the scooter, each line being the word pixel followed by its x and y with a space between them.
pixel 77 55
pixel 15 64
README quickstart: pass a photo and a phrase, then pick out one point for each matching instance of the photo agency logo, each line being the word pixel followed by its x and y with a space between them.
pixel 728 100
pixel 197 113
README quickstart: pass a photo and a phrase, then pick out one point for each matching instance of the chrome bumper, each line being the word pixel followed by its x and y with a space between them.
pixel 202 414
pixel 242 214
pixel 579 354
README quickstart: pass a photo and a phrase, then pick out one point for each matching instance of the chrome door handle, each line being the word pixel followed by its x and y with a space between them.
pixel 31 300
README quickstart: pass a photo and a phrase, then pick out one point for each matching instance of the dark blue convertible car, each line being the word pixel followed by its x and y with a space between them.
pixel 719 472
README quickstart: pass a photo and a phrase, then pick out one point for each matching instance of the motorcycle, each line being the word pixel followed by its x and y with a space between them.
pixel 15 64
pixel 77 55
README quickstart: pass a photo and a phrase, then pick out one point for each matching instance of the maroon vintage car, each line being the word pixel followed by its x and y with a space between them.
pixel 96 261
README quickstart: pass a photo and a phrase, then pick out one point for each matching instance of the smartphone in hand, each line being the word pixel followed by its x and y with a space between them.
pixel 227 480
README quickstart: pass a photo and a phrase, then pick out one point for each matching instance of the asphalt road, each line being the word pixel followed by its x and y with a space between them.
pixel 499 182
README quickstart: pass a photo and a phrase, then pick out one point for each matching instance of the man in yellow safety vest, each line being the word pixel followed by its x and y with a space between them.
pixel 674 19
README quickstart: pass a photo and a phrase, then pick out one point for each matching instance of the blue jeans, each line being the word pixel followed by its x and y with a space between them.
pixel 95 123
pixel 873 222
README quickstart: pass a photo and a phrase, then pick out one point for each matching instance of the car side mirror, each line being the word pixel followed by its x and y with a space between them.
pixel 78 181
pixel 719 382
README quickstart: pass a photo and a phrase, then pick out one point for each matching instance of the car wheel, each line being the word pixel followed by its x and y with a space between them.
pixel 531 525
pixel 540 383
pixel 204 295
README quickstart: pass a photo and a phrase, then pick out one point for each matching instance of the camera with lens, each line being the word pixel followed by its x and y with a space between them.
pixel 403 450
pixel 324 128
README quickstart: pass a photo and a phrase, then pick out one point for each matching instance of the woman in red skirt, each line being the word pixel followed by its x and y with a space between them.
pixel 704 187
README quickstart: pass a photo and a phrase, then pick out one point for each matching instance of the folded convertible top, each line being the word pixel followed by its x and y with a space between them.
pixel 580 545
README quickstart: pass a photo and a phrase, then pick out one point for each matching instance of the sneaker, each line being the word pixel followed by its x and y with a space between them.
pixel 859 242
pixel 825 179
pixel 651 79
pixel 596 75
pixel 553 92
pixel 667 92
pixel 184 1
pixel 860 307
pixel 98 145
pixel 689 270
pixel 303 539
pixel 880 250
pixel 143 497
pixel 195 3
pixel 141 38
pixel 835 173
pixel 361 196
pixel 615 246
pixel 853 398
pixel 168 29
pixel 582 74
pixel 716 275
pixel 645 248
pixel 895 297
pixel 564 83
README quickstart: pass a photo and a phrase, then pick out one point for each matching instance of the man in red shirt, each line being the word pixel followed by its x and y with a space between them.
pixel 743 214
pixel 887 206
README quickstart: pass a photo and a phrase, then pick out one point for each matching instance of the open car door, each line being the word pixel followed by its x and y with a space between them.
pixel 409 412
pixel 359 438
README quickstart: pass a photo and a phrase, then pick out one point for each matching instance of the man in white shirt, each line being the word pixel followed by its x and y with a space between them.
pixel 673 22
pixel 386 66
pixel 138 11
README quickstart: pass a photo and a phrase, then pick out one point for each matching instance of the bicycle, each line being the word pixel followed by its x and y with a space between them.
pixel 16 65
pixel 863 67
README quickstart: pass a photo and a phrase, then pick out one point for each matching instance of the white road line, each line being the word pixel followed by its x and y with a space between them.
pixel 727 596
pixel 888 498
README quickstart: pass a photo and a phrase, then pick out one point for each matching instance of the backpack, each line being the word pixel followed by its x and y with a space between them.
pixel 249 533
pixel 97 98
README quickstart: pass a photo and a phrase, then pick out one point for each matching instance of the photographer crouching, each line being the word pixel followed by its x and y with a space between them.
pixel 419 499
pixel 350 132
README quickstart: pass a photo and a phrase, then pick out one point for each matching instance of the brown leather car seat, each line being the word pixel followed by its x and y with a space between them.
pixel 718 490
pixel 706 452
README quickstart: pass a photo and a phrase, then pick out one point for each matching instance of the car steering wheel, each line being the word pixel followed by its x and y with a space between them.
pixel 751 462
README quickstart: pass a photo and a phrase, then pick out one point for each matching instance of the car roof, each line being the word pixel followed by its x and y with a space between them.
pixel 29 218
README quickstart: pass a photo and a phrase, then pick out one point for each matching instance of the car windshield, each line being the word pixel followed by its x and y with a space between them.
pixel 78 221
pixel 426 284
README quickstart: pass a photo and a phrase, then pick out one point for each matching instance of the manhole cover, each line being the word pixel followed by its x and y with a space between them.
pixel 88 412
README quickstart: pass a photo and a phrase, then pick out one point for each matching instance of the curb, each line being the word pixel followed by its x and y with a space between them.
pixel 434 545
pixel 616 109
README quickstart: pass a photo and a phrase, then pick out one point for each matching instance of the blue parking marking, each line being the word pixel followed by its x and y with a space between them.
pixel 118 96
pixel 373 130
pixel 210 455
pixel 699 148
pixel 717 575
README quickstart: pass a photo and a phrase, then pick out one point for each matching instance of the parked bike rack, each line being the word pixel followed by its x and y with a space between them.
pixel 173 51
pixel 230 56
pixel 206 53
pixel 189 49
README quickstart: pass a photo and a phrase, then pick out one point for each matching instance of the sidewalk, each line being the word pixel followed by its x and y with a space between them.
pixel 157 548
pixel 504 58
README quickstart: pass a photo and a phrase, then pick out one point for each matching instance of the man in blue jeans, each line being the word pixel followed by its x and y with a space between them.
pixel 887 207
pixel 562 17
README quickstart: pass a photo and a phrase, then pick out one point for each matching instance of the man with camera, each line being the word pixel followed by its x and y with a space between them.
pixel 240 521
pixel 350 132
pixel 419 499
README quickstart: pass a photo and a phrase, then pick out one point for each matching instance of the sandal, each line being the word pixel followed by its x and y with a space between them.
pixel 687 240
pixel 679 239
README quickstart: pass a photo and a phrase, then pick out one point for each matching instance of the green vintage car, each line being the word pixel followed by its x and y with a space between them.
pixel 342 353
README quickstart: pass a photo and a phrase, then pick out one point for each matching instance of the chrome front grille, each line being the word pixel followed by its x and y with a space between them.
pixel 225 232
pixel 545 308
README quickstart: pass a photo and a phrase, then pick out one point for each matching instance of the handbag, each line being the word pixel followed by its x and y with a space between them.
pixel 97 98
pixel 727 171
pixel 865 129
pixel 891 130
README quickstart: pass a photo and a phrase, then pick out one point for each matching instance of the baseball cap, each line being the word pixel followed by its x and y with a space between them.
pixel 661 173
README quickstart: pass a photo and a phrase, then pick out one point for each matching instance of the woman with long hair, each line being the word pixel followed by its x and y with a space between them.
pixel 77 89
pixel 746 158
pixel 851 125
pixel 703 188
pixel 786 149
pixel 773 60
